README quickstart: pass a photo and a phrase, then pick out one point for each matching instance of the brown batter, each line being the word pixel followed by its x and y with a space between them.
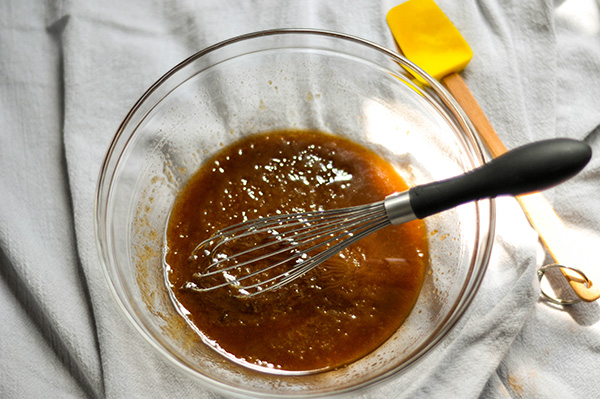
pixel 338 312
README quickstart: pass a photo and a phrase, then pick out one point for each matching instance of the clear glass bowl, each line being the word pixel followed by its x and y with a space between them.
pixel 280 79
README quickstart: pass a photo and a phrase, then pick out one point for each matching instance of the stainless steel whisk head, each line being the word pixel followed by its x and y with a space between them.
pixel 282 248
pixel 264 254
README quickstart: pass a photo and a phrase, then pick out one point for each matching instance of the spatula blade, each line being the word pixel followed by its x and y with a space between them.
pixel 428 38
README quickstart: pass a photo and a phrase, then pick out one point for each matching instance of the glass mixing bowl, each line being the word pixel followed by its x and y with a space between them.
pixel 272 80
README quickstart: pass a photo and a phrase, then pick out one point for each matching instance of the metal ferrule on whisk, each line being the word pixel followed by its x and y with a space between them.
pixel 398 208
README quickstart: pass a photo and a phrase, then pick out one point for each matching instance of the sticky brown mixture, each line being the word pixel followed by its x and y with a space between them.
pixel 336 313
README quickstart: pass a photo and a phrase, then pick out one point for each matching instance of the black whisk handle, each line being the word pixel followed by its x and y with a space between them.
pixel 532 167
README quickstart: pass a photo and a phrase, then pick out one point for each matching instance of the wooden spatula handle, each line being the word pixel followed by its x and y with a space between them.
pixel 540 213
pixel 460 91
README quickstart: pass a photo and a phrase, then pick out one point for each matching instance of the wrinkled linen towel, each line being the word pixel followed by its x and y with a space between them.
pixel 69 72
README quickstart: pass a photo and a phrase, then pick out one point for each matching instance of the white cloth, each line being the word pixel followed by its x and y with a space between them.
pixel 70 70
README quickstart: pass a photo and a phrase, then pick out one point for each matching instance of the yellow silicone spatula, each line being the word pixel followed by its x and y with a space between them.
pixel 429 39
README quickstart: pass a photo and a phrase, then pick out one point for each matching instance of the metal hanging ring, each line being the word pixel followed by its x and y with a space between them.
pixel 558 301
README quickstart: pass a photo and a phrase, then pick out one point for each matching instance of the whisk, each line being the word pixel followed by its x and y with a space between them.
pixel 264 254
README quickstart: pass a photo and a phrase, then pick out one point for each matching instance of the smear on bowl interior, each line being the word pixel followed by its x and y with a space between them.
pixel 337 313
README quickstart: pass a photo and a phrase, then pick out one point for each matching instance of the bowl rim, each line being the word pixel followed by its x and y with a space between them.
pixel 118 143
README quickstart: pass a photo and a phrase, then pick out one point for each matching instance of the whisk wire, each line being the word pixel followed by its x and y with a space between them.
pixel 252 227
pixel 325 219
pixel 316 236
pixel 313 261
pixel 300 234
pixel 317 260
